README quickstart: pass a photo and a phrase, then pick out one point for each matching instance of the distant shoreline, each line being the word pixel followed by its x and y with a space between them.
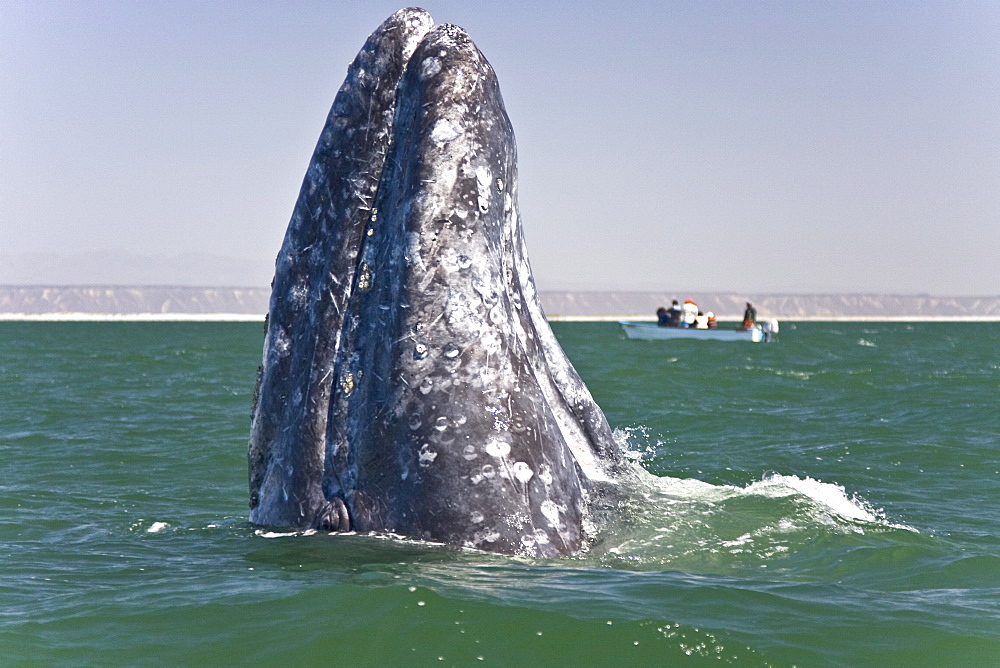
pixel 185 303
pixel 250 317
pixel 131 317
pixel 843 318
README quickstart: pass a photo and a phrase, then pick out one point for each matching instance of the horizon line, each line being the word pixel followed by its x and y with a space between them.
pixel 253 317
pixel 174 286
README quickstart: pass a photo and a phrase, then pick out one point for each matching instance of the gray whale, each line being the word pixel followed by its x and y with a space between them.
pixel 410 382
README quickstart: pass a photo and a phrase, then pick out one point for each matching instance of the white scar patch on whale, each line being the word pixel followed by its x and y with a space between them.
pixel 444 131
pixel 429 67
pixel 496 448
pixel 550 509
pixel 522 472
pixel 426 456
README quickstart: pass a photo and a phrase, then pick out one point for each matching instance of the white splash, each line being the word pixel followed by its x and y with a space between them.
pixel 833 497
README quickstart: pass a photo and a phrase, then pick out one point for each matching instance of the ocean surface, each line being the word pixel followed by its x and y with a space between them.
pixel 830 499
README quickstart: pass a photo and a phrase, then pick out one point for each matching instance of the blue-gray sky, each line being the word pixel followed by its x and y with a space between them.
pixel 703 145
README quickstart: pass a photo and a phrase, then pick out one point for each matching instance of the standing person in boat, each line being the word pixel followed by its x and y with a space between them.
pixel 663 317
pixel 675 314
pixel 749 316
pixel 712 322
pixel 690 310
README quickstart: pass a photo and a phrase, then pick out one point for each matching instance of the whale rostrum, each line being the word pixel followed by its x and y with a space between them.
pixel 410 382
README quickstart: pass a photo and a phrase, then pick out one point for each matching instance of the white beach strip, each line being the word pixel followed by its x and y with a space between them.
pixel 253 317
pixel 731 319
pixel 133 317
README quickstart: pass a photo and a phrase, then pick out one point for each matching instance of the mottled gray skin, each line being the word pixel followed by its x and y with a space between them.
pixel 449 411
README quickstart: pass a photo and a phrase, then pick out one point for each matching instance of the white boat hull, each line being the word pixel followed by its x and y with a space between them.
pixel 651 332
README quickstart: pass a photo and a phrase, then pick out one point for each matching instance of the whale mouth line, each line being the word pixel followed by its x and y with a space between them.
pixel 334 517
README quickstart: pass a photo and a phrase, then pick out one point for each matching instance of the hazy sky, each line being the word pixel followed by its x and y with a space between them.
pixel 704 145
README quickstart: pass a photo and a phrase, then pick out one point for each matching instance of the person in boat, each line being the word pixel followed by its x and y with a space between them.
pixel 701 321
pixel 712 322
pixel 690 312
pixel 662 317
pixel 749 316
pixel 675 314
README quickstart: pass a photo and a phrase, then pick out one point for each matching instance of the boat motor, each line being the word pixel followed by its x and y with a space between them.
pixel 770 328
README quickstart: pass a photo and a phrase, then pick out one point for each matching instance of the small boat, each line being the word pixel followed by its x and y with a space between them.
pixel 649 331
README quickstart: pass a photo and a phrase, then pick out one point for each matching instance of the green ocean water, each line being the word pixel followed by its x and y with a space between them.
pixel 831 499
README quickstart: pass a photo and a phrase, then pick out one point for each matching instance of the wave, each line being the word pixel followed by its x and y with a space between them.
pixel 698 526
pixel 695 526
